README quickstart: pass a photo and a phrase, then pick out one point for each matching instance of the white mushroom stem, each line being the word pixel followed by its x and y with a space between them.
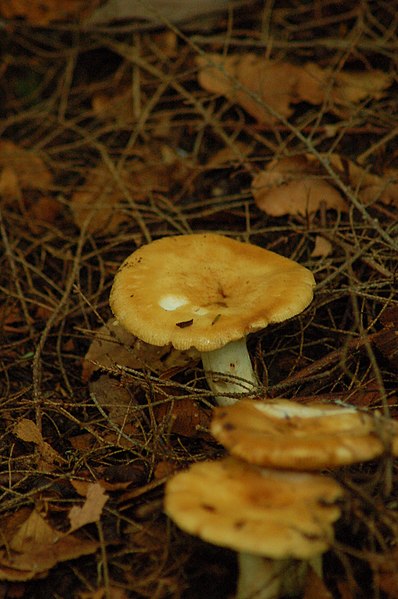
pixel 229 371
pixel 265 578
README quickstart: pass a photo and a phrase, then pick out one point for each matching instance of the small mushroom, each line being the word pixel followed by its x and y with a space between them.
pixel 208 291
pixel 286 434
pixel 279 522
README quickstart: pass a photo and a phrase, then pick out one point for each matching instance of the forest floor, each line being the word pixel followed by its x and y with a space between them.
pixel 276 126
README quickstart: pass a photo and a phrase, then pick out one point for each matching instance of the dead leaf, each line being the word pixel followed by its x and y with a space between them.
pixel 81 486
pixel 27 430
pixel 164 469
pixel 44 211
pixel 21 169
pixel 92 508
pixel 34 531
pixel 116 105
pixel 369 187
pixel 117 399
pixel 47 11
pixel 298 185
pixel 114 345
pixel 294 185
pixel 238 77
pixel 12 319
pixel 280 85
pixel 35 563
pixel 36 547
pixel 100 204
pixel 226 157
pixel 342 88
pixel 386 340
pixel 182 416
pixel 315 588
pixel 322 247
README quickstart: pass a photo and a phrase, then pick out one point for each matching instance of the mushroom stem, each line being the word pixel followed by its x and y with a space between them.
pixel 229 371
pixel 259 577
pixel 265 578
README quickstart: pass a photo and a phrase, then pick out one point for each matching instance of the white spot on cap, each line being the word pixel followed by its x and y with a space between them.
pixel 172 302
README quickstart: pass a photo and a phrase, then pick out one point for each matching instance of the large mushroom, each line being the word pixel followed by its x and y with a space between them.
pixel 286 434
pixel 279 522
pixel 208 291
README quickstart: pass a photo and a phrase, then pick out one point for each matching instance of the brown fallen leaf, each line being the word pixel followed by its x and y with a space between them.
pixel 340 88
pixel 182 416
pixel 100 204
pixel 281 85
pixel 43 211
pixel 315 588
pixel 21 169
pixel 117 399
pixel 294 185
pixel 369 187
pixel 92 508
pixel 34 531
pixel 229 155
pixel 298 185
pixel 114 345
pixel 47 11
pixel 36 547
pixel 27 430
pixel 273 82
pixel 116 105
pixel 322 247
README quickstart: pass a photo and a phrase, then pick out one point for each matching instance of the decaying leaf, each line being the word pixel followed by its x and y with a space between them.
pixel 387 339
pixel 114 345
pixel 315 587
pixel 47 11
pixel 322 247
pixel 36 547
pixel 92 508
pixel 236 153
pixel 238 77
pixel 182 416
pixel 369 187
pixel 21 169
pixel 300 185
pixel 100 203
pixel 280 85
pixel 118 400
pixel 340 88
pixel 44 210
pixel 27 430
pixel 294 185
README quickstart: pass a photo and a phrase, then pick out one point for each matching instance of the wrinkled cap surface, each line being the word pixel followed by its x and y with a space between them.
pixel 264 512
pixel 205 290
pixel 287 434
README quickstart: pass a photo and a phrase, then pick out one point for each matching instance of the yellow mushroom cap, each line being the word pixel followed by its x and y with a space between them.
pixel 270 513
pixel 205 290
pixel 287 434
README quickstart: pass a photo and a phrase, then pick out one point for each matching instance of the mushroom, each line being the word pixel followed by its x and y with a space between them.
pixel 272 518
pixel 286 434
pixel 208 291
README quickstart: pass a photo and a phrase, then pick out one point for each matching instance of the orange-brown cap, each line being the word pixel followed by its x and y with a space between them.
pixel 205 290
pixel 263 512
pixel 286 434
